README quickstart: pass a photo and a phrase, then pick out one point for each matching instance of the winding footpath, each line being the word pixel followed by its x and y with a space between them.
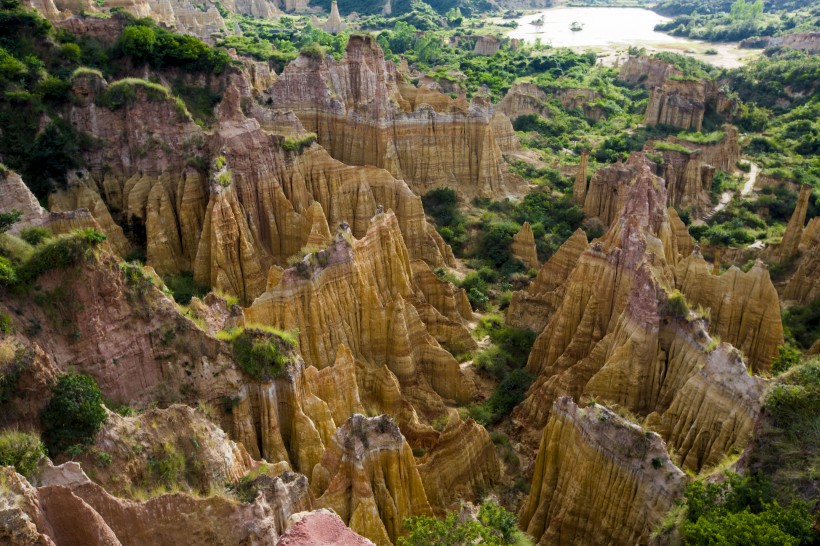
pixel 726 197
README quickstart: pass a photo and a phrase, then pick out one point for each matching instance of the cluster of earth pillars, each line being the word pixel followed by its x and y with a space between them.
pixel 314 395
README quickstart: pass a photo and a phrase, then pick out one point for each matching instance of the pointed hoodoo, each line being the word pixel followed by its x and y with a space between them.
pixel 794 231
pixel 334 24
pixel 523 247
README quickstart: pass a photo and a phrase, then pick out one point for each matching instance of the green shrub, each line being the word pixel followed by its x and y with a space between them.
pixel 676 305
pixel 671 146
pixel 297 145
pixel 495 527
pixel 6 326
pixel 11 372
pixel 741 511
pixel 126 91
pixel 20 450
pixel 167 465
pixel 60 252
pixel 803 323
pixel 74 413
pixel 261 352
pixel 313 51
pixel 183 287
pixel 8 219
pixel 35 235
pixel 787 356
pixel 8 275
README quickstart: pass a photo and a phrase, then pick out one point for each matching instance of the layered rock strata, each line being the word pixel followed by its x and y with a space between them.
pixel 361 110
pixel 523 248
pixel 592 463
pixel 368 476
pixel 524 99
pixel 68 508
pixel 261 204
pixel 678 103
pixel 614 332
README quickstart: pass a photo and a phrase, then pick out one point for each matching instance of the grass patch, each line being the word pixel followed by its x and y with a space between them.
pixel 261 352
pixel 298 144
pixel 703 138
pixel 671 147
pixel 21 450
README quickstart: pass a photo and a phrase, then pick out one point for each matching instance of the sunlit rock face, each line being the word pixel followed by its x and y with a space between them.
pixel 364 113
pixel 598 479
pixel 613 330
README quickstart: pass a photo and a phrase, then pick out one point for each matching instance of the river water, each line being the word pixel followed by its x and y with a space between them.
pixel 614 29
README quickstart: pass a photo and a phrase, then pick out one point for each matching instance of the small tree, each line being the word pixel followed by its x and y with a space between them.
pixel 74 414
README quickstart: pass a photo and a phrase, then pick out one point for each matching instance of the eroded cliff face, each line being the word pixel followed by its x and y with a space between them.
pixel 804 285
pixel 594 464
pixel 209 458
pixel 365 114
pixel 67 508
pixel 358 293
pixel 647 71
pixel 523 99
pixel 254 206
pixel 523 248
pixel 677 103
pixel 369 477
pixel 613 331
pixel 744 307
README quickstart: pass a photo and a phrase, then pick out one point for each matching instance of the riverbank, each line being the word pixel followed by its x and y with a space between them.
pixel 610 31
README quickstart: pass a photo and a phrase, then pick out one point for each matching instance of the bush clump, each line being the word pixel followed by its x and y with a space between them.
pixel 495 526
pixel 21 450
pixel 35 235
pixel 183 287
pixel 74 414
pixel 125 92
pixel 261 352
pixel 742 511
pixel 298 144
pixel 676 305
pixel 60 252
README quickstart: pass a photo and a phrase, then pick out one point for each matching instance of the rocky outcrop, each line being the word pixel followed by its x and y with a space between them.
pixel 680 103
pixel 804 41
pixel 598 479
pixel 361 110
pixel 368 476
pixel 356 292
pixel 178 434
pixel 487 45
pixel 744 307
pixel 581 98
pixel 260 205
pixel 320 528
pixel 523 248
pixel 579 189
pixel 334 24
pixel 688 180
pixel 462 462
pixel 804 284
pixel 532 307
pixel 647 71
pixel 523 99
pixel 15 195
pixel 608 189
pixel 68 508
pixel 794 230
pixel 723 154
pixel 619 333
